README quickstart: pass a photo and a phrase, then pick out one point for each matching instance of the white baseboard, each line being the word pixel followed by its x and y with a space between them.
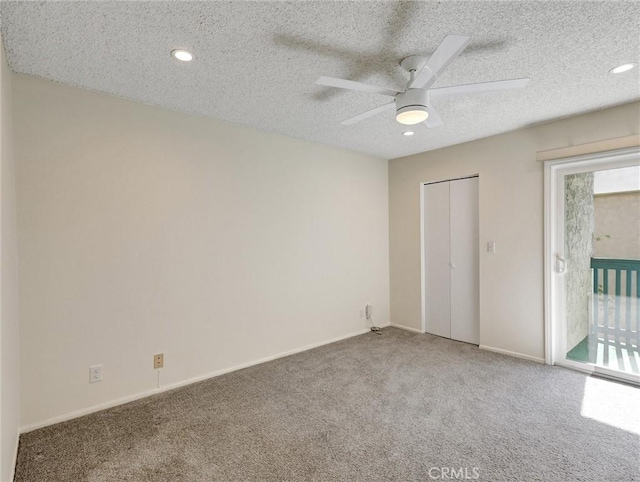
pixel 155 391
pixel 513 353
pixel 15 456
pixel 402 327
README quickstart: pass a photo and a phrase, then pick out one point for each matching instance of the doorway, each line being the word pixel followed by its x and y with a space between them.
pixel 592 263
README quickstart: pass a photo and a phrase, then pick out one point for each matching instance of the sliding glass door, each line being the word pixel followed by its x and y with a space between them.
pixel 593 263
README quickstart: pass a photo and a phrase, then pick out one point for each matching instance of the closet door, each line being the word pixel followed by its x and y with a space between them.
pixel 437 271
pixel 465 312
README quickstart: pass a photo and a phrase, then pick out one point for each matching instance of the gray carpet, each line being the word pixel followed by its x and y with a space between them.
pixel 400 406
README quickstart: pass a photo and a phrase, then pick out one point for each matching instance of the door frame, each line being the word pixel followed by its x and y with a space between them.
pixel 423 256
pixel 554 296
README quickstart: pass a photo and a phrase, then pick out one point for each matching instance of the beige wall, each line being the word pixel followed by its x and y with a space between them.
pixel 9 359
pixel 511 214
pixel 617 216
pixel 143 230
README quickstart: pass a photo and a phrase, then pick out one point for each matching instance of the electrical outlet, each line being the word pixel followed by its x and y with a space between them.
pixel 95 373
pixel 158 360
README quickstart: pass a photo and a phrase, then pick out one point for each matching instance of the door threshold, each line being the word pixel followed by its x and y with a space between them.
pixel 601 372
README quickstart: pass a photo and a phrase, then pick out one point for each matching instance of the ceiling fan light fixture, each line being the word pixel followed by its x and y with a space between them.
pixel 622 68
pixel 182 55
pixel 411 106
pixel 411 115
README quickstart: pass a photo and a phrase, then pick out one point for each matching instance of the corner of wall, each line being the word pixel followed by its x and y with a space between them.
pixel 9 374
pixel 297 228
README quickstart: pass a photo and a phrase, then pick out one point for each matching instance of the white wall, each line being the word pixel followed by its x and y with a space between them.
pixel 511 214
pixel 143 230
pixel 9 379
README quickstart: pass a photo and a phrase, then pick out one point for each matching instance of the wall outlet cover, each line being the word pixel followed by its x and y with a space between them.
pixel 158 360
pixel 95 373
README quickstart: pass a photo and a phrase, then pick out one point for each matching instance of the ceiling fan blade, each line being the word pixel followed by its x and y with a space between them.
pixel 357 86
pixel 447 52
pixel 367 114
pixel 434 120
pixel 479 88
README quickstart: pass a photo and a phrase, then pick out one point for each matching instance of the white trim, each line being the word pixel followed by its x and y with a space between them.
pixel 423 272
pixel 554 237
pixel 549 215
pixel 550 202
pixel 512 353
pixel 590 148
pixel 155 391
pixel 15 456
pixel 408 328
pixel 626 157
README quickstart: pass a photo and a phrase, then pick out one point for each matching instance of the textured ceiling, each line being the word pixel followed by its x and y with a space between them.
pixel 256 62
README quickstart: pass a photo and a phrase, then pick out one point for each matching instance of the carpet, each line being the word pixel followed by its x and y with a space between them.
pixel 396 407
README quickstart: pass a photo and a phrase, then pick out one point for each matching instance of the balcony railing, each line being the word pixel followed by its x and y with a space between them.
pixel 616 304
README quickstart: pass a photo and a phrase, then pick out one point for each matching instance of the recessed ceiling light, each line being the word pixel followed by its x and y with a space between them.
pixel 408 133
pixel 622 68
pixel 182 55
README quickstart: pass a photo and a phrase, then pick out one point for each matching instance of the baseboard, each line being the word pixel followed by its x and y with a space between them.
pixel 513 353
pixel 402 327
pixel 15 457
pixel 155 391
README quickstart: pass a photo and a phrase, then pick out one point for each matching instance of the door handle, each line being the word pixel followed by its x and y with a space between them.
pixel 561 264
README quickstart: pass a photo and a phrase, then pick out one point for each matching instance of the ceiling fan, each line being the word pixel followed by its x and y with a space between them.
pixel 413 104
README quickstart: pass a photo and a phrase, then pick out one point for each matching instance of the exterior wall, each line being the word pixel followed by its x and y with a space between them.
pixel 579 227
pixel 617 225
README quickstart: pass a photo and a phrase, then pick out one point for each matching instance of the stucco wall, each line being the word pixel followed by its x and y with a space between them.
pixel 579 227
pixel 617 225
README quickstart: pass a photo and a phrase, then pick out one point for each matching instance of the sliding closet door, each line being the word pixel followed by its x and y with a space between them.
pixel 465 305
pixel 437 271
